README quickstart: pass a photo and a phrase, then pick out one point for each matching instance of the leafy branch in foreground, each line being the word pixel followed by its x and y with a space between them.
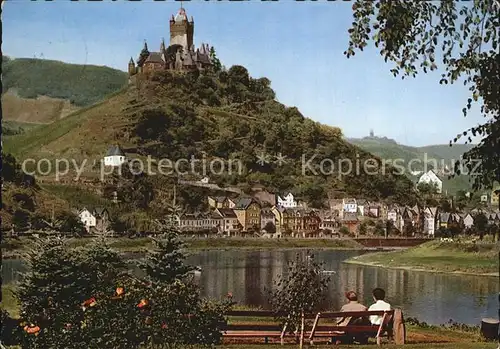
pixel 464 36
pixel 299 292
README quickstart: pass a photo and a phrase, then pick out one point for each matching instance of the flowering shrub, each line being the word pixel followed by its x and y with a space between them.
pixel 85 298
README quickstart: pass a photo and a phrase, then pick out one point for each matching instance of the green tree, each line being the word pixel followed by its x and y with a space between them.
pixel 409 230
pixel 165 262
pixel 362 229
pixel 119 225
pixel 70 223
pixel 415 35
pixel 10 168
pixel 217 66
pixel 379 228
pixel 58 280
pixel 461 200
pixel 344 230
pixel 270 228
pixel 427 189
pixel 444 205
pixel 9 329
pixel 481 223
pixel 21 219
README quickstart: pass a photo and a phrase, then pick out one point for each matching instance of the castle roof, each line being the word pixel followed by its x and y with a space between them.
pixel 154 57
pixel 202 57
pixel 115 150
pixel 181 15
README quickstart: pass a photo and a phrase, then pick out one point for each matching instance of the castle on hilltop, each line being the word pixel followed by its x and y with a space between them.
pixel 180 55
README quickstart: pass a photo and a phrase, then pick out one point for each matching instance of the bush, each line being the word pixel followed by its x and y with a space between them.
pixel 9 328
pixel 344 230
pixel 85 298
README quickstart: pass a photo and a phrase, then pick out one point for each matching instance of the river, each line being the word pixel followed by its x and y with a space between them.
pixel 430 297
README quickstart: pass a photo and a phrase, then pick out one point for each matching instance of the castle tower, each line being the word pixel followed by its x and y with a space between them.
pixel 181 30
pixel 143 55
pixel 131 67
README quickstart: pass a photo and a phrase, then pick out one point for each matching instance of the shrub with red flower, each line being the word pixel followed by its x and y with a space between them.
pixel 70 296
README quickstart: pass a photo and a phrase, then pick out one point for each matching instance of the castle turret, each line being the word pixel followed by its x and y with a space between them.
pixel 143 55
pixel 181 30
pixel 162 45
pixel 131 67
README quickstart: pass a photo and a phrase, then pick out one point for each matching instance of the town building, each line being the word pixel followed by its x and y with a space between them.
pixel 87 218
pixel 350 206
pixel 328 223
pixel 444 218
pixel 430 177
pixel 247 210
pixel 287 202
pixel 429 221
pixel 218 202
pixel 280 217
pixel 494 197
pixel 94 220
pixel 200 222
pixel 350 221
pixel 394 215
pixel 467 220
pixel 230 225
pixel 115 156
pixel 362 204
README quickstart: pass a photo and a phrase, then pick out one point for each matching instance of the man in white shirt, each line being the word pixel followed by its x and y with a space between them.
pixel 380 304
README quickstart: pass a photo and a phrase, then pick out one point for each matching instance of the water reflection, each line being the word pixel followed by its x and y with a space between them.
pixel 434 298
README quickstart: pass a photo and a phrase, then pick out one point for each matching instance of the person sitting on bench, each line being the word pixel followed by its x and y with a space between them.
pixel 352 305
pixel 380 304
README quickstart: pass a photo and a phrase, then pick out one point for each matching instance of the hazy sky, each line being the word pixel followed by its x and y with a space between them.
pixel 298 45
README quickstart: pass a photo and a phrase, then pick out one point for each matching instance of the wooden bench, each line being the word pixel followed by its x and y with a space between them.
pixel 351 330
pixel 266 330
pixel 271 329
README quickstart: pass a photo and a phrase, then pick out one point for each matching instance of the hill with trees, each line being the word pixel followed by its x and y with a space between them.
pixel 226 115
pixel 41 91
pixel 441 154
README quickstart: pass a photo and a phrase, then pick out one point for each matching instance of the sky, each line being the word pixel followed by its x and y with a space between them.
pixel 297 45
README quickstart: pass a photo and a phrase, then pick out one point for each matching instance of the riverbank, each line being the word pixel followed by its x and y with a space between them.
pixel 14 248
pixel 466 258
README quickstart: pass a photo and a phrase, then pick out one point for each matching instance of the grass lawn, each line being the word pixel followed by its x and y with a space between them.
pixel 439 256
